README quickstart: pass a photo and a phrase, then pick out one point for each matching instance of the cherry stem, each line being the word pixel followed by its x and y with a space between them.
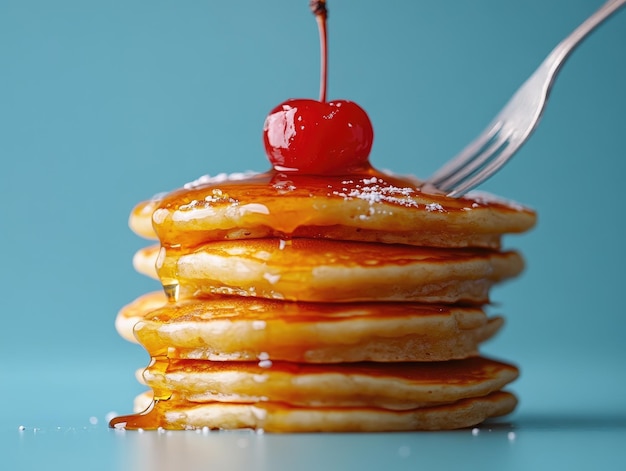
pixel 321 15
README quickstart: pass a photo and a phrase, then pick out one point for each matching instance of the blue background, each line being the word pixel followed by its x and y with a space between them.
pixel 103 104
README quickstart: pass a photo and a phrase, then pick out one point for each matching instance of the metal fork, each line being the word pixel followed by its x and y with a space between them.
pixel 517 120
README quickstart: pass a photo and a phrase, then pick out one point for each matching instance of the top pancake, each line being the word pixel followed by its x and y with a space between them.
pixel 368 207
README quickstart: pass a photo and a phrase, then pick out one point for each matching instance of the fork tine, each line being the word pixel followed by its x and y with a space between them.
pixel 469 153
pixel 485 172
pixel 476 162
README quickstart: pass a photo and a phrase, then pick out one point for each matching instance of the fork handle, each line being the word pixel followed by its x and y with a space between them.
pixel 561 52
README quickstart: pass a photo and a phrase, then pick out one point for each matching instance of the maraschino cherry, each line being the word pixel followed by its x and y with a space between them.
pixel 318 137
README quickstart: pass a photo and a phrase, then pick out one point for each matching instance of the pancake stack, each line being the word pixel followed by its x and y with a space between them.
pixel 299 303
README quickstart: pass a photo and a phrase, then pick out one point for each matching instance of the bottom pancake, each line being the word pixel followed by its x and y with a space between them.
pixel 175 414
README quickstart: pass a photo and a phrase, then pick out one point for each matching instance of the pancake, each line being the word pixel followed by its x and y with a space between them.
pixel 276 417
pixel 144 261
pixel 223 328
pixel 128 316
pixel 319 270
pixel 140 219
pixel 395 386
pixel 367 207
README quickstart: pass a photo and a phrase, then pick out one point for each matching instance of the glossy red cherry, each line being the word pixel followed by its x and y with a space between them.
pixel 318 137
pixel 313 137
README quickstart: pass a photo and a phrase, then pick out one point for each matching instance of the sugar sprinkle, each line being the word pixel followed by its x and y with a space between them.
pixel 374 190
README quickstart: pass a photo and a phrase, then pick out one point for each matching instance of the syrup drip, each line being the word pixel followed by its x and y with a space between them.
pixel 160 365
pixel 171 287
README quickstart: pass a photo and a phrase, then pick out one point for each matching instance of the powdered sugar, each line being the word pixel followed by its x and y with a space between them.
pixel 374 190
pixel 434 207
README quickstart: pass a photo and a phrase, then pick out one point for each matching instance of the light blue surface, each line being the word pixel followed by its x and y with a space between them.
pixel 103 104
pixel 529 446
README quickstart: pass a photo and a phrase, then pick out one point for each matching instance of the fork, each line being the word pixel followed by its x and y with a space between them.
pixel 514 124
